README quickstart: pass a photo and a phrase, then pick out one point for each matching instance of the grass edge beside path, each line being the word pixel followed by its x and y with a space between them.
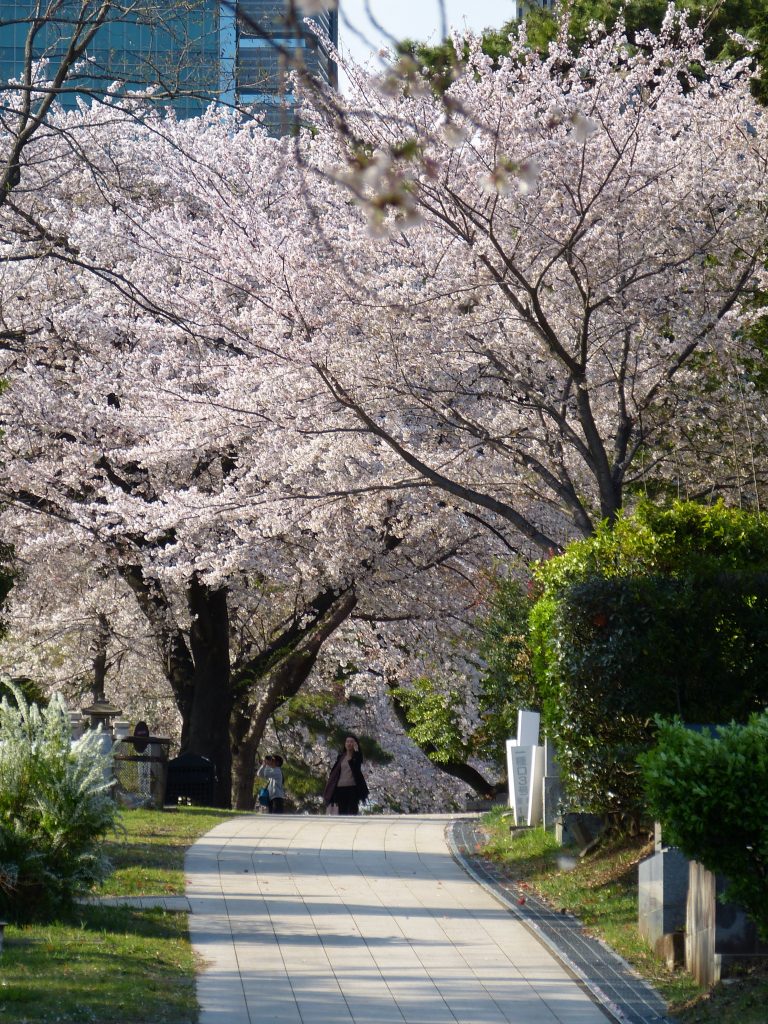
pixel 601 890
pixel 114 965
pixel 147 853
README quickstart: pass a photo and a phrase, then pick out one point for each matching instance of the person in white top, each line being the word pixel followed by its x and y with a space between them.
pixel 272 771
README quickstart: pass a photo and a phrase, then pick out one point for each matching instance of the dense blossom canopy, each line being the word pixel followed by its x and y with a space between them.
pixel 562 320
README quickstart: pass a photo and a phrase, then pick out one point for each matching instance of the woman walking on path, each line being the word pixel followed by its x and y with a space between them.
pixel 346 786
pixel 272 771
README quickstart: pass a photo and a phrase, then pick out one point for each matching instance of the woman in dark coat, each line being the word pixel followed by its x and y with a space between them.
pixel 346 786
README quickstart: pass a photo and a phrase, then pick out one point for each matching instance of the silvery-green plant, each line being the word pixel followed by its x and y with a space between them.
pixel 55 808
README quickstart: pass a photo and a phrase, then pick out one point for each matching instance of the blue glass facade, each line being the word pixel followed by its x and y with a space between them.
pixel 269 45
pixel 191 52
pixel 174 47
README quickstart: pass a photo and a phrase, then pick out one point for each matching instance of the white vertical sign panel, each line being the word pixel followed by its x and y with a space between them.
pixel 536 788
pixel 525 770
pixel 521 763
pixel 528 728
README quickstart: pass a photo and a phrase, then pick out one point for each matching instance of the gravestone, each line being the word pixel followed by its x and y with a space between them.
pixel 578 828
pixel 553 787
pixel 191 778
pixel 662 896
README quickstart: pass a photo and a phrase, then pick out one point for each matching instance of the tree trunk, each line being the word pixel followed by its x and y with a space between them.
pixel 244 750
pixel 198 671
pixel 275 676
pixel 208 732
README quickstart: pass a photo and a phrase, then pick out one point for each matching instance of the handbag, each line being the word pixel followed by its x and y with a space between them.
pixel 264 796
pixel 332 809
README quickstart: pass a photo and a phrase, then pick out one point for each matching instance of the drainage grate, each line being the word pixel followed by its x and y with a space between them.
pixel 610 979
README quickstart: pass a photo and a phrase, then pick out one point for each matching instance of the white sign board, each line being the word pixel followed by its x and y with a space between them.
pixel 528 728
pixel 525 770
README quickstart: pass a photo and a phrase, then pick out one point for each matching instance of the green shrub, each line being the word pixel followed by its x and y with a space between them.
pixel 55 809
pixel 708 791
pixel 434 720
pixel 665 613
pixel 507 682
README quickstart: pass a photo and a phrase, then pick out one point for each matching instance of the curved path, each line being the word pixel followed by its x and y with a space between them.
pixel 328 920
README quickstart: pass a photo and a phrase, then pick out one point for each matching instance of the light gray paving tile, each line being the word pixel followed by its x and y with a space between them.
pixel 426 1013
pixel 368 1013
pixel 568 1004
pixel 221 998
pixel 269 1013
pixel 364 920
pixel 397 960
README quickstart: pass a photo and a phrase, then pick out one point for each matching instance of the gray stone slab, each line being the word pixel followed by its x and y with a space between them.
pixel 662 895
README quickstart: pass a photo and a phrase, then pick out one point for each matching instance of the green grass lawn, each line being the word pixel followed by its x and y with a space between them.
pixel 114 965
pixel 601 890
pixel 107 965
pixel 148 852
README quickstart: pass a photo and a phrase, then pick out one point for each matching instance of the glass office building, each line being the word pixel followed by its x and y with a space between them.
pixel 191 52
pixel 267 42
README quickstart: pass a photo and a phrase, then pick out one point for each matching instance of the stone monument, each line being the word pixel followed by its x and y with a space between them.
pixel 525 768
pixel 662 894
pixel 553 787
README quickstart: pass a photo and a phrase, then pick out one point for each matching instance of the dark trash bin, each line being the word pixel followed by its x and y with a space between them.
pixel 191 779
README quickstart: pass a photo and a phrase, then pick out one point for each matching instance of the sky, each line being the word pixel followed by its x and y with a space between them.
pixel 414 19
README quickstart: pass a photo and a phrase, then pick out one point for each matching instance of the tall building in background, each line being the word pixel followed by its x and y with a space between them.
pixel 521 7
pixel 192 52
pixel 264 45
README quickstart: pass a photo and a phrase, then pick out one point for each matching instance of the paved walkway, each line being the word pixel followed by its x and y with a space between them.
pixel 370 920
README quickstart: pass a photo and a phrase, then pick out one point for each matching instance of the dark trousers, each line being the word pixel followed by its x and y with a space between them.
pixel 276 805
pixel 347 799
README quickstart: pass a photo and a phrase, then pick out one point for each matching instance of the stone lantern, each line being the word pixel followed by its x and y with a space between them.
pixel 101 712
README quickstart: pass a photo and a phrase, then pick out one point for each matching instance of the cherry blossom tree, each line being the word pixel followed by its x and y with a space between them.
pixel 66 50
pixel 74 627
pixel 153 413
pixel 82 51
pixel 25 103
pixel 562 326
